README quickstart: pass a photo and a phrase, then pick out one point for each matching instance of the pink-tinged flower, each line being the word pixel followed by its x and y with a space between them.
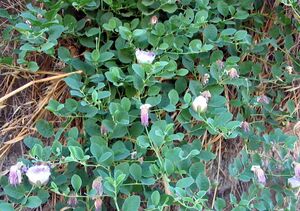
pixel 263 99
pixel 145 114
pixel 205 78
pixel 38 174
pixel 206 95
pixel 289 69
pixel 141 160
pixel 260 174
pixel 72 201
pixel 297 170
pixel 154 20
pixel 133 155
pixel 15 174
pixel 294 182
pixel 103 130
pixel 220 64
pixel 39 16
pixel 144 57
pixel 97 186
pixel 232 73
pixel 199 104
pixel 98 204
pixel 245 126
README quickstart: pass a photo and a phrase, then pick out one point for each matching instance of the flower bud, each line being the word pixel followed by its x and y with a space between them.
pixel 97 186
pixel 38 174
pixel 98 204
pixel 289 69
pixel 245 126
pixel 144 57
pixel 206 95
pixel 145 114
pixel 297 170
pixel 220 64
pixel 72 201
pixel 260 174
pixel 133 155
pixel 103 130
pixel 232 73
pixel 15 174
pixel 263 99
pixel 199 104
pixel 205 78
pixel 154 20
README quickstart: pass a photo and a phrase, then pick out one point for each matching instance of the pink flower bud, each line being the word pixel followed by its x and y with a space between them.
pixel 144 57
pixel 220 64
pixel 154 20
pixel 245 126
pixel 72 201
pixel 103 130
pixel 145 114
pixel 15 174
pixel 263 99
pixel 98 204
pixel 206 95
pixel 232 73
pixel 97 186
pixel 260 174
pixel 297 170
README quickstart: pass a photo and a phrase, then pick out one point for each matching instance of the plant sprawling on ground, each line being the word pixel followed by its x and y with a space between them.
pixel 160 91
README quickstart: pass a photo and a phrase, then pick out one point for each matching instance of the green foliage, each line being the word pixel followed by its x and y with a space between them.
pixel 167 162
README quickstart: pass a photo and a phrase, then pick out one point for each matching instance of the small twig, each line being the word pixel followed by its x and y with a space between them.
pixel 218 173
pixel 5 97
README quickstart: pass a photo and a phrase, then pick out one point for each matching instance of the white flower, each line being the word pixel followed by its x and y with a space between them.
pixel 38 174
pixel 144 57
pixel 199 104
pixel 294 182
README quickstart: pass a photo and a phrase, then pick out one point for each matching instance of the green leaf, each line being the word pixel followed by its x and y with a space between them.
pixel 44 128
pixel 33 66
pixel 222 8
pixel 76 182
pixel 76 152
pixel 14 192
pixel 105 56
pixel 210 32
pixel 136 171
pixel 185 182
pixel 173 96
pixel 132 203
pixel 241 14
pixel 169 8
pixel 155 198
pixel 6 206
pixel 64 54
pixel 220 204
pixel 55 32
pixel 33 202
pixel 125 33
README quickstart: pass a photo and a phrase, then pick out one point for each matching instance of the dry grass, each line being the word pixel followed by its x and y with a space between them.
pixel 24 95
